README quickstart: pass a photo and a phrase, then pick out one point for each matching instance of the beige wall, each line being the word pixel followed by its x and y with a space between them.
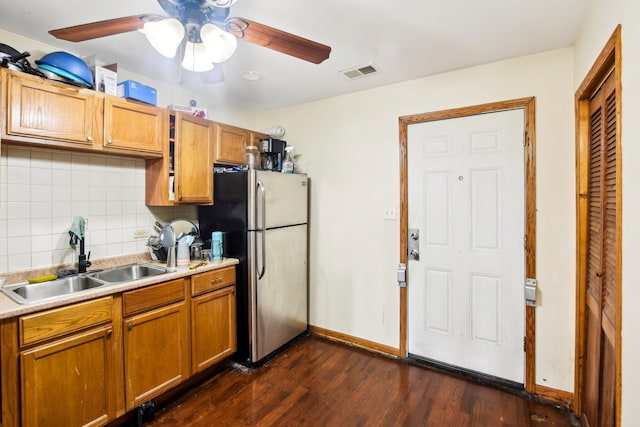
pixel 349 147
pixel 602 18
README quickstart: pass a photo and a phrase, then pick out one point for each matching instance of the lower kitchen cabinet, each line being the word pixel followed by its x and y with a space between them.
pixel 68 366
pixel 88 363
pixel 213 317
pixel 213 322
pixel 156 340
pixel 70 382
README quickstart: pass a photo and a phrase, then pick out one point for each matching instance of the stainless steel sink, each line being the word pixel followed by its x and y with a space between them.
pixel 128 273
pixel 25 293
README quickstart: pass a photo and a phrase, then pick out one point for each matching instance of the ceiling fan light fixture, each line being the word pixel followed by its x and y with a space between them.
pixel 165 36
pixel 219 44
pixel 196 58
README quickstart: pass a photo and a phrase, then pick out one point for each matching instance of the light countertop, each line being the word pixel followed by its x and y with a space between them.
pixel 10 308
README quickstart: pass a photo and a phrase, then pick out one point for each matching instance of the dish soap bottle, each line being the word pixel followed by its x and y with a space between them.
pixel 287 163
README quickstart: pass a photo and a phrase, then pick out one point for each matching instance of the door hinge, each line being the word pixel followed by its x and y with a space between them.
pixel 524 344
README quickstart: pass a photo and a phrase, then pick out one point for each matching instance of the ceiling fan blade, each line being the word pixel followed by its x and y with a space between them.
pixel 281 41
pixel 110 27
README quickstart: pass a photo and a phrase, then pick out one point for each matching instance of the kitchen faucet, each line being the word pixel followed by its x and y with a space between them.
pixel 83 260
pixel 76 233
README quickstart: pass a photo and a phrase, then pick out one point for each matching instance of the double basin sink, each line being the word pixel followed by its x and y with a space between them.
pixel 25 293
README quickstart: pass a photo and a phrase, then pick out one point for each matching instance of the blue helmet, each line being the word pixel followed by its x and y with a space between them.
pixel 68 66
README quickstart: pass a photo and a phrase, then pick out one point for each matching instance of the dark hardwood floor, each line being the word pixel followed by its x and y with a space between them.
pixel 318 382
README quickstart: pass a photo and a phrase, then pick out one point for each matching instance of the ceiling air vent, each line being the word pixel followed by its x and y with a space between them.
pixel 357 72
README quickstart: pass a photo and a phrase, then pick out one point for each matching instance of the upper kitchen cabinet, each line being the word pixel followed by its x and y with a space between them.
pixel 230 144
pixel 193 168
pixel 184 175
pixel 43 112
pixel 134 128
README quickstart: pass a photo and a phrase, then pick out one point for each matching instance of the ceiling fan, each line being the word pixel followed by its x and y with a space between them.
pixel 204 25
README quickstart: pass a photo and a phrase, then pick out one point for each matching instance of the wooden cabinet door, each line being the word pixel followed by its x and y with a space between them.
pixel 193 168
pixel 54 113
pixel 602 251
pixel 156 348
pixel 213 325
pixel 230 143
pixel 134 128
pixel 70 382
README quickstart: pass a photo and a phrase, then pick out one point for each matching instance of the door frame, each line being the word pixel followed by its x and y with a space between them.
pixel 610 58
pixel 528 104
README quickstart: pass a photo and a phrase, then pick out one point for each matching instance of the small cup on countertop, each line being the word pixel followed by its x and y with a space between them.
pixel 183 253
pixel 216 245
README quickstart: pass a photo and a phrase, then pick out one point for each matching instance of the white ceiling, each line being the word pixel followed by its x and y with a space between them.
pixel 405 39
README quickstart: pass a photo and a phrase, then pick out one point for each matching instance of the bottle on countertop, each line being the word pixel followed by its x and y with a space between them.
pixel 287 164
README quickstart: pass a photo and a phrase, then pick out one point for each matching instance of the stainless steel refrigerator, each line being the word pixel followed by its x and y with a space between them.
pixel 263 216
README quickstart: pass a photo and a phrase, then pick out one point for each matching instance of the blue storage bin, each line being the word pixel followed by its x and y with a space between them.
pixel 134 90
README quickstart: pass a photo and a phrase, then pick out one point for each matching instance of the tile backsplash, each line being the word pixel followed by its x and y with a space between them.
pixel 41 190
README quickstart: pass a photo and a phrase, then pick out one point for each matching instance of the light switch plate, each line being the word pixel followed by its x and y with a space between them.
pixel 389 212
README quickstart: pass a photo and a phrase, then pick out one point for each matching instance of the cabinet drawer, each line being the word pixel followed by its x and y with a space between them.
pixel 52 323
pixel 153 296
pixel 216 279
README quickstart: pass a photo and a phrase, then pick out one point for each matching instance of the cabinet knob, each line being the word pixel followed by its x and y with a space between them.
pixel 216 280
pixel 89 138
pixel 109 141
pixel 109 332
pixel 130 325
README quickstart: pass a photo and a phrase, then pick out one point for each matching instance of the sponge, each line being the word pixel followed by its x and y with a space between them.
pixel 43 278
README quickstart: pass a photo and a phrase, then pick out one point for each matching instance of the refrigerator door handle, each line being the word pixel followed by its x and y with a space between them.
pixel 262 195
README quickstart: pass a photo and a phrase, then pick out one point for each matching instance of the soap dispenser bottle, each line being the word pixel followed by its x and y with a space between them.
pixel 287 163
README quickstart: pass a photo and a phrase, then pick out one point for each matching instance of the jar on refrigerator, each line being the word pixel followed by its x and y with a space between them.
pixel 251 158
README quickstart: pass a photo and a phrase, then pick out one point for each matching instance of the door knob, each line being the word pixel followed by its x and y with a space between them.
pixel 413 244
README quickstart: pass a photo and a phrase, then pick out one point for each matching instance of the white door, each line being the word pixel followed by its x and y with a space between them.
pixel 466 197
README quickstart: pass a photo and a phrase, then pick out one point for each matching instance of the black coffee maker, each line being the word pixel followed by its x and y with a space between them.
pixel 272 153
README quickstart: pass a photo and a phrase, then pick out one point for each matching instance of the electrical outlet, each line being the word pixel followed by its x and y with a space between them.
pixel 389 212
pixel 140 233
